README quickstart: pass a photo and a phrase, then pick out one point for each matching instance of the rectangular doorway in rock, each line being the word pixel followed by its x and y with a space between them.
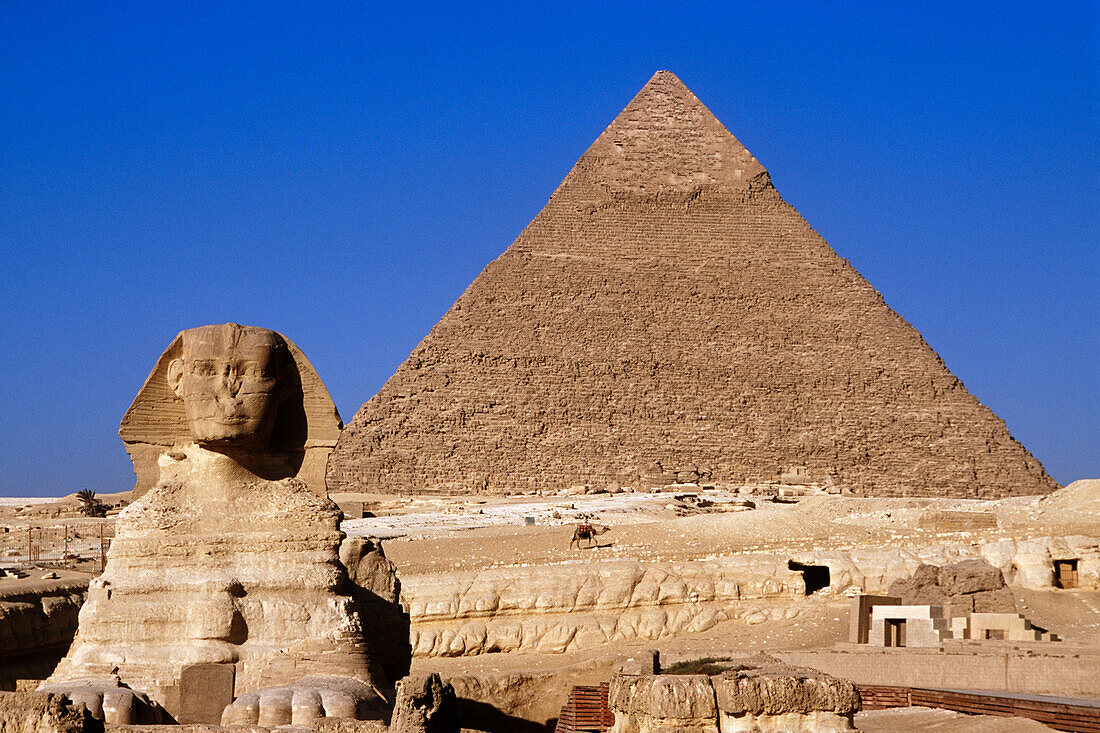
pixel 816 577
pixel 1065 573
pixel 895 632
pixel 995 634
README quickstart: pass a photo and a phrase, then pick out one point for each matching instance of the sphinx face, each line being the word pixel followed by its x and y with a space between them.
pixel 229 381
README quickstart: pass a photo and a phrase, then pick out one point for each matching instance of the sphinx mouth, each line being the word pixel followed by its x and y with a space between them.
pixel 233 420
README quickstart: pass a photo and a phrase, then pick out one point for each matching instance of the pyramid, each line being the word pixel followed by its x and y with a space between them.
pixel 669 317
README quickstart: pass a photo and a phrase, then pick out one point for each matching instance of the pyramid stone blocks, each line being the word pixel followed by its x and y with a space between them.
pixel 669 313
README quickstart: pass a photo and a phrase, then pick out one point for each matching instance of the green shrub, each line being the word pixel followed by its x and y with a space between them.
pixel 704 665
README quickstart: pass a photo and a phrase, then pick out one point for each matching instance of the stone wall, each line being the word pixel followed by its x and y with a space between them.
pixel 1036 668
pixel 668 308
pixel 36 629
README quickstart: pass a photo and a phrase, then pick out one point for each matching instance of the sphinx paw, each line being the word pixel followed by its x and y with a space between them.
pixel 304 701
pixel 108 700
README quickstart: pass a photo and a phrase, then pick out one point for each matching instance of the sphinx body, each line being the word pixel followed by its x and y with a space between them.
pixel 222 561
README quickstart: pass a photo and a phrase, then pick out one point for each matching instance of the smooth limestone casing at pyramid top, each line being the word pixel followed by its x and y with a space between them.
pixel 668 311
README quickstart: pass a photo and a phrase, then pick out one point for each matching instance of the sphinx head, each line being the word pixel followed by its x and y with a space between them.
pixel 232 380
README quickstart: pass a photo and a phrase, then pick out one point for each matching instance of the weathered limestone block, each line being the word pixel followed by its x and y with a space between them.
pixel 781 698
pixel 756 699
pixel 955 521
pixel 424 704
pixel 663 704
pixel 40 712
pixel 970 576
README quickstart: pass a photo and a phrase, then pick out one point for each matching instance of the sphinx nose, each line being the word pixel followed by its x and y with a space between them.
pixel 231 382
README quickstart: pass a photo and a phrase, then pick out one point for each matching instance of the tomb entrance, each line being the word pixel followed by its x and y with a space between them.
pixel 816 577
pixel 1065 573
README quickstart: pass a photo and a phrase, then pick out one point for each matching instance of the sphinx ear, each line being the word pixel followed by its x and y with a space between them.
pixel 175 376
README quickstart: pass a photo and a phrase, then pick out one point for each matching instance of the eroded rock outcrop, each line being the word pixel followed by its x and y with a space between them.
pixel 546 609
pixel 40 712
pixel 776 697
pixel 561 608
pixel 424 704
pixel 960 589
pixel 36 629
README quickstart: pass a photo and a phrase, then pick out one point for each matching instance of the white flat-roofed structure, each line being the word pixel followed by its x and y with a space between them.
pixel 897 626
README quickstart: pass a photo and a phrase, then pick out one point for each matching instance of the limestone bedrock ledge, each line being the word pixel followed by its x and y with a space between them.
pixel 36 628
pixel 576 606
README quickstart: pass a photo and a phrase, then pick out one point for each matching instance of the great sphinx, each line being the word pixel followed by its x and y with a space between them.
pixel 232 558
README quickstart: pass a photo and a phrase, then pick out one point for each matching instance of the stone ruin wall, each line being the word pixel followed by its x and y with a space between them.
pixel 668 312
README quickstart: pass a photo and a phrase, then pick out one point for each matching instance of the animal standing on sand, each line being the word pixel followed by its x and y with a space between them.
pixel 585 534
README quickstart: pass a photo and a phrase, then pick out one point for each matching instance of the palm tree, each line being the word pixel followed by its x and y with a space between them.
pixel 89 504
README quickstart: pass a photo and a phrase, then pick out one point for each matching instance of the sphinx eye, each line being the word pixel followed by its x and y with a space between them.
pixel 203 368
pixel 256 371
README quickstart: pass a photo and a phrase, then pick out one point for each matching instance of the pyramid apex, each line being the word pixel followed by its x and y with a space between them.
pixel 666 75
pixel 665 140
pixel 665 81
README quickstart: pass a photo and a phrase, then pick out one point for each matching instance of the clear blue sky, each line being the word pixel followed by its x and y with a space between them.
pixel 340 173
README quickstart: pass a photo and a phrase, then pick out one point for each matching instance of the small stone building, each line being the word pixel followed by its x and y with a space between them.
pixel 884 621
pixel 896 626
